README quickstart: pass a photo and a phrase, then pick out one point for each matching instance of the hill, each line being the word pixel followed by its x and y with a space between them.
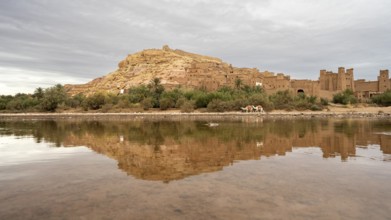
pixel 173 67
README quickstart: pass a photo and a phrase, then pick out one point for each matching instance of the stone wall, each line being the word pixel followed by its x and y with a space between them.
pixel 362 85
pixel 307 87
pixel 366 89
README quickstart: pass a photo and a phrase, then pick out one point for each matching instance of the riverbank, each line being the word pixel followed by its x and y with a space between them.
pixel 331 112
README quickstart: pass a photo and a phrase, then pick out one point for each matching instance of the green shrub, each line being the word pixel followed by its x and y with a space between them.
pixel 345 97
pixel 52 97
pixel 123 102
pixel 302 105
pixel 137 94
pixel 217 105
pixel 316 107
pixel 147 103
pixel 282 100
pixel 174 95
pixel 180 102
pixel 75 101
pixel 188 106
pixel 324 102
pixel 95 101
pixel 107 107
pixel 112 98
pixel 311 99
pixel 383 99
pixel 21 102
pixel 166 103
pixel 201 99
pixel 4 100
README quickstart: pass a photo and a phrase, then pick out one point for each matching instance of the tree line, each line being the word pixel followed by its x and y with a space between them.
pixel 155 96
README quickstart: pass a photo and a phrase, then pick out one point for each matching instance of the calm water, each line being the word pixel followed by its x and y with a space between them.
pixel 306 169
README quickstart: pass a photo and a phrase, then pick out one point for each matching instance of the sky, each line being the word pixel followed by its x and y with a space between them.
pixel 48 42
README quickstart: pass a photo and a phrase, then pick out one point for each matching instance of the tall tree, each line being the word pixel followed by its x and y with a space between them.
pixel 52 97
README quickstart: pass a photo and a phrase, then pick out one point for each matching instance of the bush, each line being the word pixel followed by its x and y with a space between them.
pixel 282 100
pixel 123 102
pixel 302 105
pixel 311 99
pixel 75 101
pixel 187 106
pixel 96 101
pixel 174 95
pixel 324 102
pixel 383 99
pixel 217 106
pixel 201 99
pixel 111 98
pixel 154 96
pixel 21 102
pixel 180 102
pixel 166 103
pixel 260 99
pixel 237 104
pixel 137 94
pixel 106 107
pixel 147 103
pixel 52 97
pixel 345 97
pixel 315 107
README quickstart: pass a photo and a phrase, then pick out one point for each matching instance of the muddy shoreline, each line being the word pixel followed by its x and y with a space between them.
pixel 176 116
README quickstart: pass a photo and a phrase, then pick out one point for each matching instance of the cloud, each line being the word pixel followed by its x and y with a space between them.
pixel 26 81
pixel 82 40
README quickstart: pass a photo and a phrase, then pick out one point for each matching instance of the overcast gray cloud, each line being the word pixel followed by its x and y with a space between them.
pixel 47 42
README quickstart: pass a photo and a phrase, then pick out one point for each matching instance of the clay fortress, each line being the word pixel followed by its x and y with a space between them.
pixel 187 70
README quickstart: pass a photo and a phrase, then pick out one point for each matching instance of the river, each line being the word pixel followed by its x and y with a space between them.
pixel 272 169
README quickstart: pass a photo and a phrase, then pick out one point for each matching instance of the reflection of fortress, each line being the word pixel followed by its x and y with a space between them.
pixel 167 151
pixel 177 158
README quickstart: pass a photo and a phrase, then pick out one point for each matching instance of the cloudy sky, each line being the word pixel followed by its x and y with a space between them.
pixel 44 42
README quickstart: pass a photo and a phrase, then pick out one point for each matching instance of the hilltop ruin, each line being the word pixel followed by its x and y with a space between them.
pixel 179 68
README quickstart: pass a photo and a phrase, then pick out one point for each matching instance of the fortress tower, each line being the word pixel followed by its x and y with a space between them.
pixel 322 80
pixel 349 79
pixel 384 82
pixel 341 85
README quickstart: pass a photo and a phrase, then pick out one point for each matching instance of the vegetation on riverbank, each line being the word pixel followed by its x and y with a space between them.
pixel 154 96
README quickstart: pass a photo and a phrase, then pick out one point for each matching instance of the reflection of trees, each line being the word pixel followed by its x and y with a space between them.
pixel 155 133
pixel 346 127
pixel 172 150
pixel 286 128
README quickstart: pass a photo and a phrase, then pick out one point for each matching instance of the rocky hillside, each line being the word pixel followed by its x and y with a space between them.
pixel 173 67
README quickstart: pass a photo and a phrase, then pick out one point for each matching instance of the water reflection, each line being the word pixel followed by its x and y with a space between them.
pixel 168 151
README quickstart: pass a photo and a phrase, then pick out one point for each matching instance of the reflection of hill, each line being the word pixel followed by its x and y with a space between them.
pixel 169 151
pixel 170 160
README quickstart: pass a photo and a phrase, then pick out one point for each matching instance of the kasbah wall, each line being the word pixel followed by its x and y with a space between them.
pixel 179 68
pixel 329 83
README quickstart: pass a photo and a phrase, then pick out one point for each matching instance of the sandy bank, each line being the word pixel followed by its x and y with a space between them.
pixel 332 112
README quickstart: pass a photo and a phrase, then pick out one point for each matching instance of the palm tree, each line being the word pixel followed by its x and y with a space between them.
pixel 38 93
